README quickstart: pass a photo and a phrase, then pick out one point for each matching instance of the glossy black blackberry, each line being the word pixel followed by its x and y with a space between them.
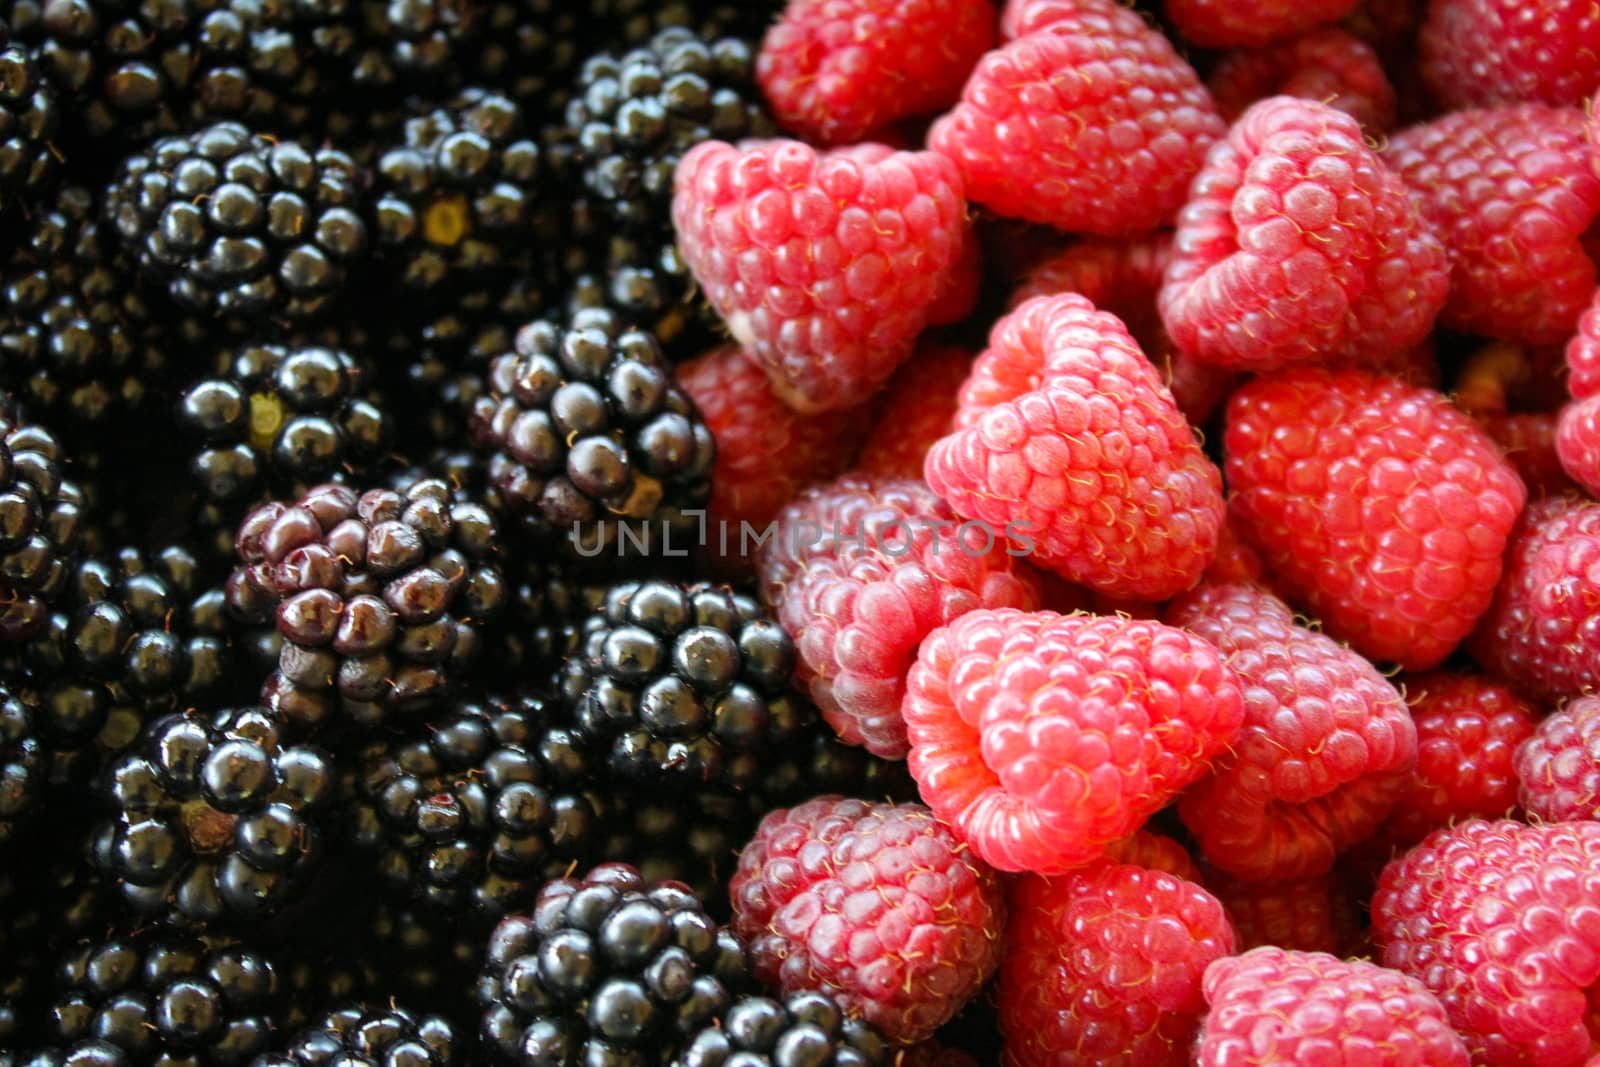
pixel 166 998
pixel 237 224
pixel 41 517
pixel 426 958
pixel 645 280
pixel 805 1029
pixel 586 429
pixel 470 813
pixel 687 683
pixel 547 606
pixel 77 339
pixel 142 625
pixel 456 202
pixel 283 418
pixel 608 970
pixel 358 1036
pixel 380 597
pixel 30 120
pixel 22 761
pixel 214 818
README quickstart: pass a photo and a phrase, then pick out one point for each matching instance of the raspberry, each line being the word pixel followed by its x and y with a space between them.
pixel 1578 442
pixel 1235 560
pixel 1383 509
pixel 1159 853
pixel 1067 440
pixel 825 265
pixel 915 410
pixel 1542 633
pixel 858 572
pixel 1325 64
pixel 1103 966
pixel 1251 23
pixel 766 451
pixel 1327 744
pixel 1304 914
pixel 1528 441
pixel 1044 738
pixel 1468 730
pixel 1477 52
pixel 933 1054
pixel 1056 126
pixel 1558 767
pixel 833 71
pixel 1501 922
pixel 1298 245
pixel 1510 193
pixel 1273 1005
pixel 1583 350
pixel 878 904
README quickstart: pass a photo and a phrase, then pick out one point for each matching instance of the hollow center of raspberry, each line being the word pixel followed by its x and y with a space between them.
pixel 210 832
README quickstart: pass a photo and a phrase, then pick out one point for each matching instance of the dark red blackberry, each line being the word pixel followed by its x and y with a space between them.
pixel 358 1036
pixel 237 224
pixel 283 418
pixel 30 120
pixel 607 969
pixel 76 338
pixel 470 813
pixel 160 997
pixel 215 819
pixel 41 514
pixel 22 762
pixel 585 429
pixel 380 597
pixel 805 1029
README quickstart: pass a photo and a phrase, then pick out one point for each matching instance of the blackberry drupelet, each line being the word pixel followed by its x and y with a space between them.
pixel 689 683
pixel 165 997
pixel 214 819
pixel 41 515
pixel 30 119
pixel 236 224
pixel 283 418
pixel 607 969
pixel 22 763
pixel 380 597
pixel 803 1030
pixel 585 429
pixel 547 605
pixel 470 813
pixel 357 1036
pixel 77 340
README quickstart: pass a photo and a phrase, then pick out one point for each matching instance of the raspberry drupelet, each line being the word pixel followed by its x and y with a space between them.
pixel 1558 767
pixel 1317 914
pixel 1044 738
pixel 1251 23
pixel 1578 442
pixel 915 409
pixel 1476 52
pixel 1326 64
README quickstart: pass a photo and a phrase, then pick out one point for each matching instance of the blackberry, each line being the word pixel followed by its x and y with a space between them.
pixel 380 597
pixel 76 339
pixel 239 225
pixel 607 969
pixel 805 1029
pixel 283 418
pixel 41 513
pixel 684 682
pixel 360 1037
pixel 585 428
pixel 426 958
pixel 472 812
pixel 547 605
pixel 160 997
pixel 30 119
pixel 22 762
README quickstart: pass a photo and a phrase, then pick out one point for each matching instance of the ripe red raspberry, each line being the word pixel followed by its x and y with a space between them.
pixel 825 265
pixel 1251 23
pixel 1477 52
pixel 1558 766
pixel 1510 193
pixel 1578 442
pixel 1528 441
pixel 1235 560
pixel 1583 352
pixel 1542 633
pixel 1468 730
pixel 1103 966
pixel 1278 1006
pixel 834 71
pixel 1378 506
pixel 914 411
pixel 1326 747
pixel 1044 738
pixel 1158 852
pixel 1304 914
pixel 766 451
pixel 858 572
pixel 1501 922
pixel 1058 125
pixel 1067 440
pixel 1298 245
pixel 878 905
pixel 1325 64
